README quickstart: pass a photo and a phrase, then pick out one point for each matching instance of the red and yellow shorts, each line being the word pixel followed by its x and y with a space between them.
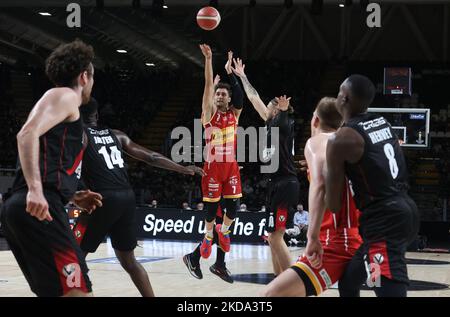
pixel 338 249
pixel 221 179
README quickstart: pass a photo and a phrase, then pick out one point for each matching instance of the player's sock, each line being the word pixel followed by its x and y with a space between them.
pixel 224 228
pixel 205 248
pixel 210 233
pixel 224 238
pixel 220 260
pixel 196 254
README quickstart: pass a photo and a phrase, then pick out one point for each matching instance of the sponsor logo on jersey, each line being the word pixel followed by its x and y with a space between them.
pixel 282 218
pixel 77 233
pixel 98 132
pixel 372 123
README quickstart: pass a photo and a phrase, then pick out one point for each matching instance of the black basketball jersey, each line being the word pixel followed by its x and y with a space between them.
pixel 103 164
pixel 382 172
pixel 285 147
pixel 60 154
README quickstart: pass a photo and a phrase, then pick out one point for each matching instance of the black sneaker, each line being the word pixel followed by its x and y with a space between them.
pixel 193 269
pixel 223 273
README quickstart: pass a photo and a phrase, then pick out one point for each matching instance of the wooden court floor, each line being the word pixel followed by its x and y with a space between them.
pixel 430 272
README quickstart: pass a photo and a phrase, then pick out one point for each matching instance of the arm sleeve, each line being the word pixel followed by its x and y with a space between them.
pixel 237 95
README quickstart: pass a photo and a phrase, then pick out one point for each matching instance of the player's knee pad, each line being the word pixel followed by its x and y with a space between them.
pixel 232 206
pixel 211 211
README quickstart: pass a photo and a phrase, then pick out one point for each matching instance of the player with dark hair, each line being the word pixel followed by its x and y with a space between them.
pixel 367 151
pixel 221 108
pixel 105 172
pixel 332 238
pixel 283 187
pixel 51 145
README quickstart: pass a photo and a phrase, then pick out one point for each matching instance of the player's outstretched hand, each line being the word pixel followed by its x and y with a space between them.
pixel 206 50
pixel 314 253
pixel 239 68
pixel 216 80
pixel 283 102
pixel 228 66
pixel 195 170
pixel 87 200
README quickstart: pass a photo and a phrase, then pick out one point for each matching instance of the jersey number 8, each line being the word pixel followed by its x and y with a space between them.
pixel 390 154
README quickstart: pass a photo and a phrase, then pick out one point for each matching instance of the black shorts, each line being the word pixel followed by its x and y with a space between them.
pixel 46 251
pixel 387 230
pixel 282 195
pixel 116 219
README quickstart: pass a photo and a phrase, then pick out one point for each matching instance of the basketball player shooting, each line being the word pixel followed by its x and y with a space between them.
pixel 220 119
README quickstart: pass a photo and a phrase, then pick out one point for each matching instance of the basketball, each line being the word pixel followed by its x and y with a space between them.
pixel 208 18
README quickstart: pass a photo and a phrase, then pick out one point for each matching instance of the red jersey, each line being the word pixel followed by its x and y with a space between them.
pixel 221 137
pixel 347 217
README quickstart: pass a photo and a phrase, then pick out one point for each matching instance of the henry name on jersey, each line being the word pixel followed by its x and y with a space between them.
pixel 377 135
pixel 101 139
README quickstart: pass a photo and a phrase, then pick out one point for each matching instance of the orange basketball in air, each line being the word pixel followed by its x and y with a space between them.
pixel 208 18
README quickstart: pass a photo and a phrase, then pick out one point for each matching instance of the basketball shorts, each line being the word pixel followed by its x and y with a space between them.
pixel 282 195
pixel 116 219
pixel 338 250
pixel 387 229
pixel 222 179
pixel 46 251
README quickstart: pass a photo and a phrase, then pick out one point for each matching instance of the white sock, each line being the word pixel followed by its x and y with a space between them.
pixel 210 234
pixel 224 228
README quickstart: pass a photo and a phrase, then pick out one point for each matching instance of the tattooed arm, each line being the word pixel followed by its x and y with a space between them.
pixel 251 92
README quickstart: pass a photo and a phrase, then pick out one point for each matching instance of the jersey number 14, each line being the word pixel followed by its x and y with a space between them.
pixel 115 158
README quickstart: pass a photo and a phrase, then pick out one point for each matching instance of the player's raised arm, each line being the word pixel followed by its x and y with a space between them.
pixel 346 145
pixel 153 158
pixel 252 94
pixel 237 95
pixel 208 92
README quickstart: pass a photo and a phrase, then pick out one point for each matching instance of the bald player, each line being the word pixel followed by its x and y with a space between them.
pixel 367 151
